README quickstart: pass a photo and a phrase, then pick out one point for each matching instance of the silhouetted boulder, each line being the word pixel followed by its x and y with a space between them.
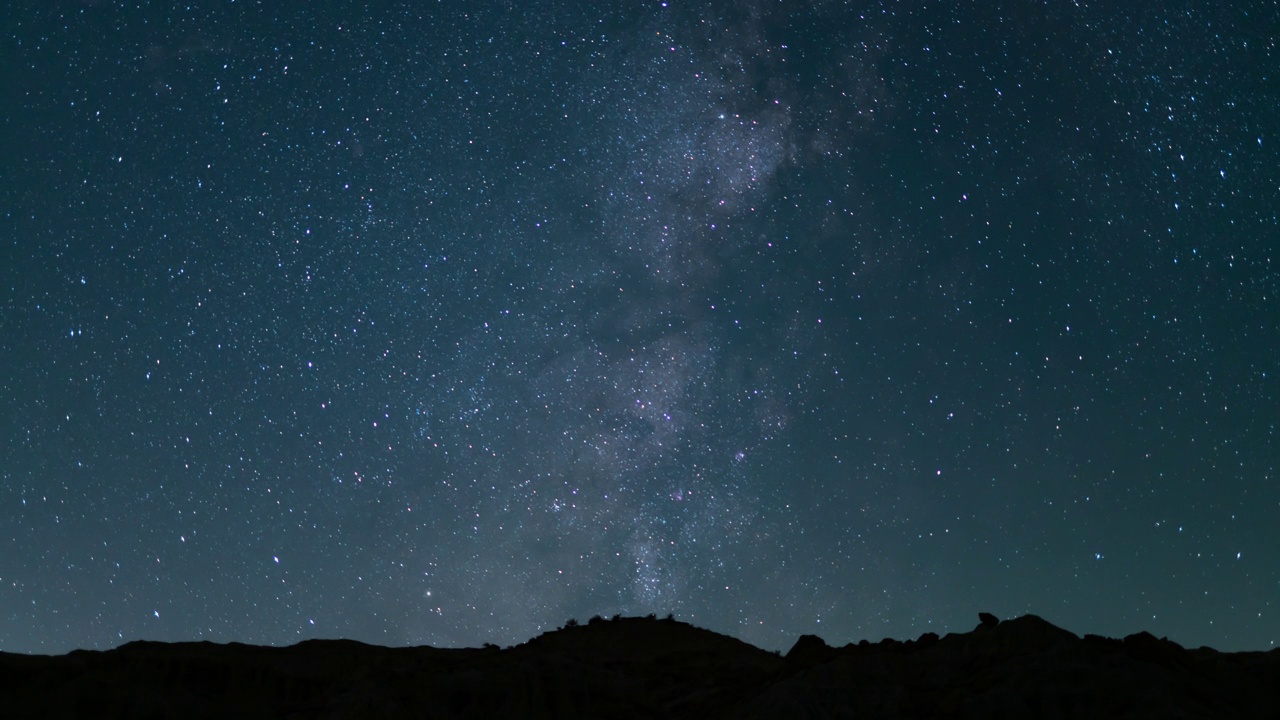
pixel 810 650
pixel 988 620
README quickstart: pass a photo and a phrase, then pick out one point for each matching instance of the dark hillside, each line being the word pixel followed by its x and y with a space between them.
pixel 650 668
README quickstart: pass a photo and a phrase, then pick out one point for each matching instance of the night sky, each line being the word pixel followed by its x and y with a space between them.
pixel 443 323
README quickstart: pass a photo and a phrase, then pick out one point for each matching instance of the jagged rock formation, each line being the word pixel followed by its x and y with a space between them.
pixel 648 668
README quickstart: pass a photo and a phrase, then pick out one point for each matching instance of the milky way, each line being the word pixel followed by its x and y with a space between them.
pixel 443 326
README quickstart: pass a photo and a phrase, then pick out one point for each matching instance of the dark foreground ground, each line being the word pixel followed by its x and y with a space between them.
pixel 648 668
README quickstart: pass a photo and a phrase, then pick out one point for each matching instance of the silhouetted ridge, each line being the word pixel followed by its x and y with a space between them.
pixel 650 668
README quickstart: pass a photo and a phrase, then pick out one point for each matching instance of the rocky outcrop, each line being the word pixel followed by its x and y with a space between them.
pixel 649 668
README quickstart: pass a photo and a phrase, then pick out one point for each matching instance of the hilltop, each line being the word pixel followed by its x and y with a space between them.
pixel 651 668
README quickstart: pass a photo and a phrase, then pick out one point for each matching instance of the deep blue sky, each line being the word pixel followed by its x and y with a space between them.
pixel 444 323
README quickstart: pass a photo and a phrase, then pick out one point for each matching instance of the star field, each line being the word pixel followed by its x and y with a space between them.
pixel 442 324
